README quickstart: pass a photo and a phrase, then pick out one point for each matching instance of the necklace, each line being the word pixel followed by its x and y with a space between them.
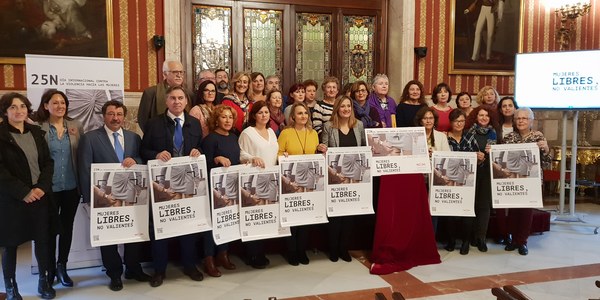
pixel 300 141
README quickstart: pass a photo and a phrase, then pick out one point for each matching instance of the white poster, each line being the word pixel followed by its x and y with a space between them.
pixel 225 204
pixel 180 202
pixel 87 92
pixel 119 212
pixel 452 183
pixel 516 176
pixel 303 180
pixel 88 82
pixel 399 150
pixel 350 190
pixel 259 206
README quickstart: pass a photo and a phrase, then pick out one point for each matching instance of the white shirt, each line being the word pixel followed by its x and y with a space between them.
pixel 252 144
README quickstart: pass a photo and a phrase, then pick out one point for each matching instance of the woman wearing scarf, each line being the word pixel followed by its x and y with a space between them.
pixel 238 99
pixel 274 102
pixel 384 104
pixel 481 123
pixel 366 113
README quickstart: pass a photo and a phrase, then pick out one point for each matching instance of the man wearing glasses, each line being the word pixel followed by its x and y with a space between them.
pixel 173 75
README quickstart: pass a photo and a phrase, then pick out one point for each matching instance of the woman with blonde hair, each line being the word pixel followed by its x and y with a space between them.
pixel 488 96
pixel 343 130
pixel 297 139
pixel 238 99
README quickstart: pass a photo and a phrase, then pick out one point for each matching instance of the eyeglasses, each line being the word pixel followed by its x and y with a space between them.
pixel 210 91
pixel 362 91
pixel 112 115
pixel 180 73
pixel 458 121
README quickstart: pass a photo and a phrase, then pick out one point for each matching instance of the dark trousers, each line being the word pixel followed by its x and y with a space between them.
pixel 187 245
pixel 210 247
pixel 519 224
pixel 111 259
pixel 9 258
pixel 255 248
pixel 297 242
pixel 459 227
pixel 339 230
pixel 66 205
pixel 483 204
pixel 502 222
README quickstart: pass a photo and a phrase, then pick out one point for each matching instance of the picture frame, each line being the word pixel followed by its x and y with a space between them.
pixel 56 27
pixel 506 37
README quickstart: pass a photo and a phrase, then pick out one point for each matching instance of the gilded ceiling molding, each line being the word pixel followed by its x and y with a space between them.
pixel 124 39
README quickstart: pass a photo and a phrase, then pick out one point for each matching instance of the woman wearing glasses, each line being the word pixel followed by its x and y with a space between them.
pixel 519 219
pixel 205 103
pixel 366 113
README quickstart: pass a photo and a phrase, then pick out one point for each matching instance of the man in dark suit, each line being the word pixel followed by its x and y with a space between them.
pixel 152 102
pixel 173 134
pixel 112 144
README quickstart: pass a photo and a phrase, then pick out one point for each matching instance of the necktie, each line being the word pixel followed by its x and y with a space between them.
pixel 118 148
pixel 178 139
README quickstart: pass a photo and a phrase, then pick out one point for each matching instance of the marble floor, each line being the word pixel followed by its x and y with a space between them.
pixel 563 263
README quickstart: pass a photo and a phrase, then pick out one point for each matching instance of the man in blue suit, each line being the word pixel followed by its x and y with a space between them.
pixel 173 133
pixel 112 144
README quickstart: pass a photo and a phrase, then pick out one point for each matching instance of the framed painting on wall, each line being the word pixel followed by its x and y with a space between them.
pixel 485 36
pixel 55 27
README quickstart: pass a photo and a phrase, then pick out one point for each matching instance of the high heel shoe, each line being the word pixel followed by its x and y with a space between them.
pixel 12 290
pixel 45 290
pixel 450 246
pixel 61 274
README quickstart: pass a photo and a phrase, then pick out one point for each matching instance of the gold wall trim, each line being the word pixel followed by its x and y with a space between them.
pixel 137 45
pixel 422 38
pixel 442 45
pixel 124 39
pixel 9 76
pixel 150 31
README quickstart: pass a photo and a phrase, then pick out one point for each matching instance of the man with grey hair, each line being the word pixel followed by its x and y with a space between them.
pixel 272 82
pixel 173 75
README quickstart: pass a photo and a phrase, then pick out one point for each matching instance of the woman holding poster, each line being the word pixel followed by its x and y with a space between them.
pixel 481 123
pixel 343 130
pixel 299 138
pixel 26 211
pixel 258 146
pixel 63 134
pixel 404 235
pixel 221 149
pixel 459 140
pixel 519 219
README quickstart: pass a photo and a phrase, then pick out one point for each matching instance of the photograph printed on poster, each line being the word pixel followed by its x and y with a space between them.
pixel 395 144
pixel 178 182
pixel 453 171
pixel 348 168
pixel 515 164
pixel 225 190
pixel 116 189
pixel 302 177
pixel 260 189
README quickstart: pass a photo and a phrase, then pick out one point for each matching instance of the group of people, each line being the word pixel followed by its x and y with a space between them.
pixel 245 120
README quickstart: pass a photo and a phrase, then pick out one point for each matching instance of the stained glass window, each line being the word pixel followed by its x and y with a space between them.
pixel 263 41
pixel 313 46
pixel 359 48
pixel 211 40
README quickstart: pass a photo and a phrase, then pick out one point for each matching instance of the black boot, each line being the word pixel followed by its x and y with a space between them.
pixel 12 291
pixel 61 274
pixel 45 290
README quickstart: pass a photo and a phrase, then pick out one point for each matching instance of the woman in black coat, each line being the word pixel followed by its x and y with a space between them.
pixel 26 171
